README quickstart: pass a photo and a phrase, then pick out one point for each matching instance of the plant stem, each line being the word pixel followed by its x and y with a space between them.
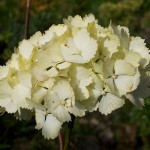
pixel 27 18
pixel 60 141
pixel 68 133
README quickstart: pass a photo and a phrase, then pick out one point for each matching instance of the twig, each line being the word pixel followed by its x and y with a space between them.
pixel 68 133
pixel 60 141
pixel 27 18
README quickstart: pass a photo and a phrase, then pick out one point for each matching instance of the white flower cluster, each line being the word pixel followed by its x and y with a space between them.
pixel 73 68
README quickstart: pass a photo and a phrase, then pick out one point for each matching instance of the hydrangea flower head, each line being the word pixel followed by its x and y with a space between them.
pixel 73 68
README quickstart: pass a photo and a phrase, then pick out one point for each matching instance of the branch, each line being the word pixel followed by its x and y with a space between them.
pixel 60 141
pixel 27 18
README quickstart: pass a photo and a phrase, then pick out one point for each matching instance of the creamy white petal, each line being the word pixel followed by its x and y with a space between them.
pixel 110 102
pixel 13 62
pixel 53 51
pixel 108 68
pixel 61 114
pixel 11 108
pixel 133 58
pixel 19 95
pixel 111 85
pixel 90 51
pixel 89 19
pixel 86 82
pixel 45 38
pixel 64 90
pixel 25 78
pixel 77 21
pixel 40 118
pixel 98 67
pixel 25 49
pixel 77 110
pixel 38 94
pixel 6 97
pixel 7 103
pixel 49 83
pixel 110 47
pixel 35 105
pixel 79 49
pixel 82 93
pixel 82 73
pixel 124 84
pixel 136 81
pixel 58 29
pixel 123 34
pixel 86 44
pixel 137 45
pixel 43 59
pixel 63 65
pixel 52 101
pixel 98 82
pixel 5 88
pixel 91 103
pixel 38 73
pixel 3 71
pixel 82 39
pixel 51 72
pixel 34 39
pixel 70 52
pixel 51 127
pixel 122 67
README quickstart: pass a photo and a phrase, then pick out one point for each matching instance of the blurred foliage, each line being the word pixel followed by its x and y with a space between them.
pixel 142 118
pixel 139 119
pixel 134 14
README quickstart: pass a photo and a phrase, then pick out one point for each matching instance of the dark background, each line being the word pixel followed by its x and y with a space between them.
pixel 124 129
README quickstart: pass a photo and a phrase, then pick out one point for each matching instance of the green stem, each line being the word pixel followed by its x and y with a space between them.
pixel 68 133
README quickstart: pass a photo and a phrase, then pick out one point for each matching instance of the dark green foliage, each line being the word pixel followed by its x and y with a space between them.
pixel 142 118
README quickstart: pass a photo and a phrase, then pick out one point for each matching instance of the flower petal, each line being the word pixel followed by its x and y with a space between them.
pixel 133 58
pixel 61 114
pixel 25 49
pixel 110 47
pixel 6 97
pixel 51 127
pixel 122 67
pixel 52 101
pixel 20 94
pixel 77 110
pixel 3 71
pixel 109 103
pixel 137 45
pixel 25 78
pixel 64 90
pixel 86 44
pixel 124 84
pixel 40 118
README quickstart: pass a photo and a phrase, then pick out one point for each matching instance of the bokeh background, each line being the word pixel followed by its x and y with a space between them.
pixel 125 129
